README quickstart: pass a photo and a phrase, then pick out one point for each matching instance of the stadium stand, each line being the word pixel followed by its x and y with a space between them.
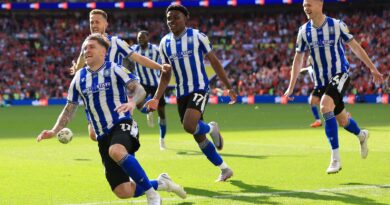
pixel 38 48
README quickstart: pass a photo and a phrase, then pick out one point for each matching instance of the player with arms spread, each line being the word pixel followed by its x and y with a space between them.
pixel 103 87
pixel 184 49
pixel 325 37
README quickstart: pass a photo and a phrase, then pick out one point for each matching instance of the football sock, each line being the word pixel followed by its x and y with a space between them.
pixel 202 128
pixel 208 149
pixel 139 191
pixel 131 166
pixel 314 110
pixel 331 129
pixel 163 127
pixel 352 127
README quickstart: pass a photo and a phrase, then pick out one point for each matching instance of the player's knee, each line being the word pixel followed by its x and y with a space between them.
pixel 189 128
pixel 123 194
pixel 117 152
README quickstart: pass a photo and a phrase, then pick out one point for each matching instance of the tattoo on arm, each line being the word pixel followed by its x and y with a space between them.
pixel 136 92
pixel 65 117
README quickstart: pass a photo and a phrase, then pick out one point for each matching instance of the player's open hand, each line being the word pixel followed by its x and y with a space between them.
pixel 233 96
pixel 152 104
pixel 72 69
pixel 378 77
pixel 45 134
pixel 125 107
pixel 166 68
pixel 288 94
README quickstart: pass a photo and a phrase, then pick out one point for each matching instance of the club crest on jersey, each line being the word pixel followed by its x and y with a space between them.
pixel 106 73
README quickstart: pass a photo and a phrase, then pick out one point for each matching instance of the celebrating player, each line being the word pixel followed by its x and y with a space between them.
pixel 117 132
pixel 325 37
pixel 149 80
pixel 118 50
pixel 183 49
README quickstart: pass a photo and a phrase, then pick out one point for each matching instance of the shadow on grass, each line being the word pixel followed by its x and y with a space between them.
pixel 259 194
pixel 195 153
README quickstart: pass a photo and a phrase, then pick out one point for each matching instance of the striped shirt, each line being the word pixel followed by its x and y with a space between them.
pixel 326 46
pixel 148 76
pixel 101 91
pixel 185 54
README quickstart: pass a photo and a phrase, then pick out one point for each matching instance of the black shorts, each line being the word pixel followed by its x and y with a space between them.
pixel 151 90
pixel 318 92
pixel 336 89
pixel 196 100
pixel 124 133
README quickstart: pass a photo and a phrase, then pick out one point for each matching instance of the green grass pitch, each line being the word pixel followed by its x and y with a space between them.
pixel 276 158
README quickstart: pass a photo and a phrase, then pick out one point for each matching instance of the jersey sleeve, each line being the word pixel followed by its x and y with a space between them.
pixel 163 55
pixel 73 93
pixel 300 45
pixel 124 76
pixel 344 32
pixel 204 43
pixel 123 47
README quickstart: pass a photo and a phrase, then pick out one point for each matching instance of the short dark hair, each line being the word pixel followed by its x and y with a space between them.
pixel 100 39
pixel 144 31
pixel 178 7
pixel 100 12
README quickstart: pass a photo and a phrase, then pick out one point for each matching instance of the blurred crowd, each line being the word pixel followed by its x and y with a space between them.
pixel 37 50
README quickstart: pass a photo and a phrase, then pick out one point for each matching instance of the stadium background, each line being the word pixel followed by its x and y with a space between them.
pixel 255 44
pixel 276 156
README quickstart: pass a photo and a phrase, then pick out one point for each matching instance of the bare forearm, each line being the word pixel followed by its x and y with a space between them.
pixel 80 62
pixel 296 67
pixel 65 117
pixel 218 69
pixel 164 81
pixel 136 92
pixel 145 61
pixel 362 55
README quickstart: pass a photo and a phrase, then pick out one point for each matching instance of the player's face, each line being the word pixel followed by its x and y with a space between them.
pixel 142 39
pixel 312 8
pixel 94 53
pixel 97 23
pixel 176 21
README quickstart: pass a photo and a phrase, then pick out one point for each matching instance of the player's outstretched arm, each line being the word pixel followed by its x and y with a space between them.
pixel 77 65
pixel 296 67
pixel 165 77
pixel 64 118
pixel 222 75
pixel 147 62
pixel 362 55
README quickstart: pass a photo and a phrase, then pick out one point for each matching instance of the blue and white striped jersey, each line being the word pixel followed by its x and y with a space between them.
pixel 185 54
pixel 148 76
pixel 101 91
pixel 326 46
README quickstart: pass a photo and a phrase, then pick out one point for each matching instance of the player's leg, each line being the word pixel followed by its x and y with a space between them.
pixel 331 106
pixel 123 144
pixel 161 118
pixel 331 131
pixel 162 122
pixel 314 101
pixel 91 132
pixel 349 124
pixel 191 108
pixel 149 115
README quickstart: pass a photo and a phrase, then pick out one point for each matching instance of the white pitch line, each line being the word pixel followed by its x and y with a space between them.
pixel 253 194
